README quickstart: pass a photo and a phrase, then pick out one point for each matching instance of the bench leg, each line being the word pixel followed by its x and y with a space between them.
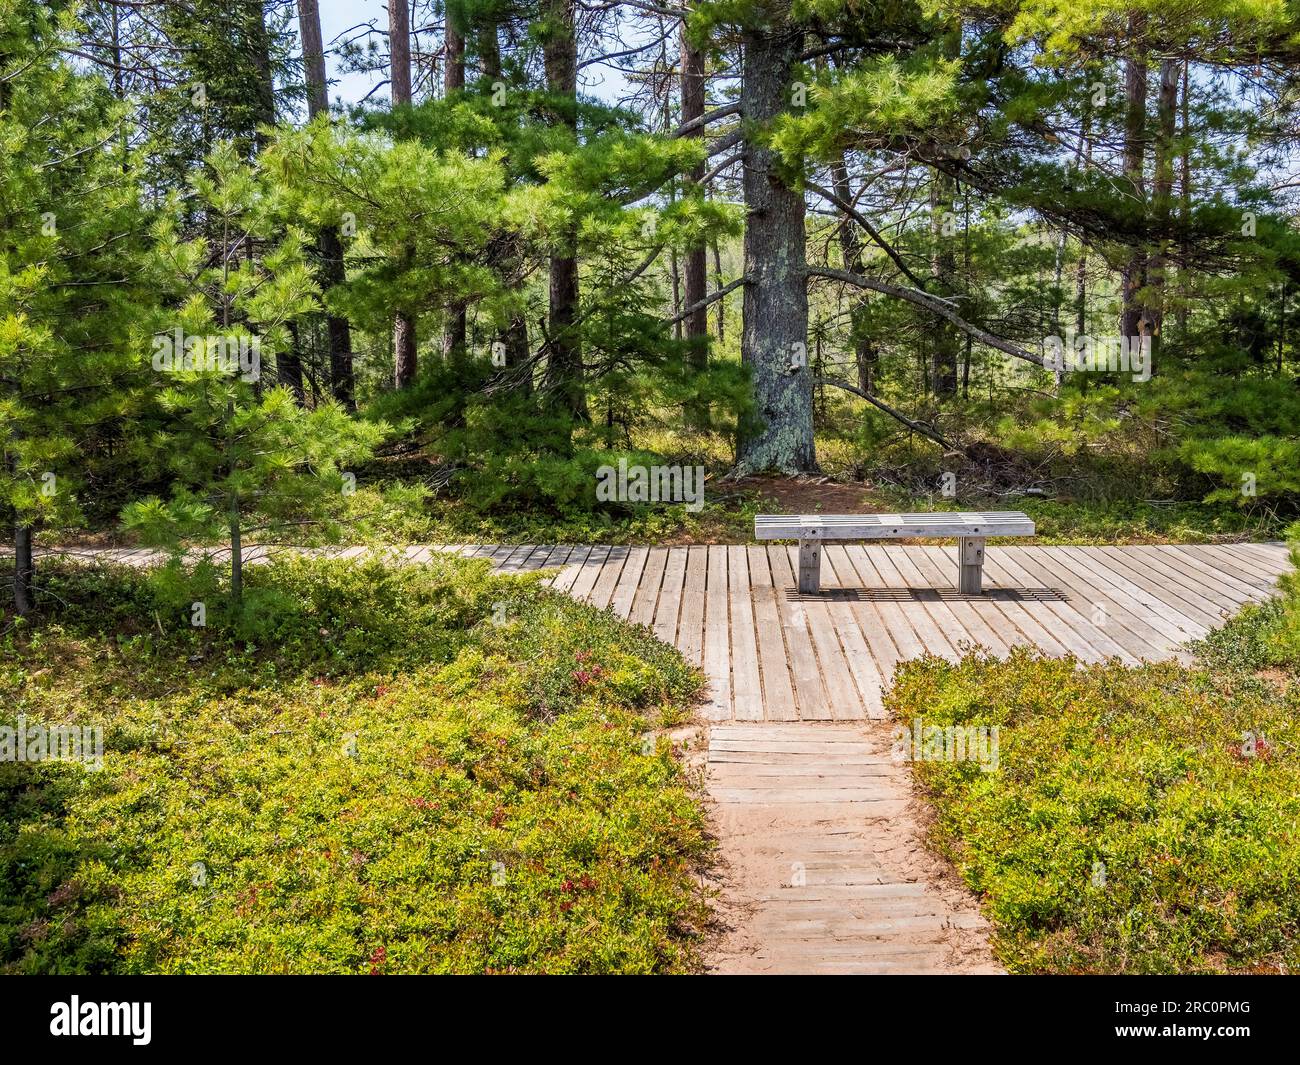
pixel 970 565
pixel 810 566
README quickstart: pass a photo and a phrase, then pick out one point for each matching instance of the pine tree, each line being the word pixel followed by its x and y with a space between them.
pixel 73 301
pixel 240 457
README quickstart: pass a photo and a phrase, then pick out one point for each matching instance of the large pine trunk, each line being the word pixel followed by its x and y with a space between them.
pixel 399 51
pixel 774 335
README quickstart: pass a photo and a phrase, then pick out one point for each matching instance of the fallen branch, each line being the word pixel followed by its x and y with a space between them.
pixel 857 216
pixel 927 431
pixel 934 304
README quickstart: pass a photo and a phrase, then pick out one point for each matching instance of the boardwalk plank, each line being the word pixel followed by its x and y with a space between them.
pixel 1189 579
pixel 624 593
pixel 1192 606
pixel 1208 571
pixel 1073 627
pixel 590 572
pixel 862 666
pixel 1162 616
pixel 603 590
pixel 774 662
pixel 814 703
pixel 563 580
pixel 690 630
pixel 927 631
pixel 670 596
pixel 885 629
pixel 881 642
pixel 1155 636
pixel 717 641
pixel 1094 617
pixel 647 592
pixel 837 676
pixel 1251 570
pixel 979 617
pixel 746 687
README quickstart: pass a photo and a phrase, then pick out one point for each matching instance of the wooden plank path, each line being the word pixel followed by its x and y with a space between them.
pixel 825 868
pixel 772 654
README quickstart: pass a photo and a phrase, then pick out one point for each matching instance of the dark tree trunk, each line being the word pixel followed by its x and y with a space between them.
pixel 946 342
pixel 328 243
pixel 1133 279
pixel 1184 205
pixel 453 76
pixel 289 365
pixel 313 57
pixel 399 51
pixel 453 81
pixel 24 571
pixel 263 76
pixel 489 48
pixel 721 304
pixel 404 357
pixel 236 557
pixel 851 248
pixel 774 335
pixel 340 332
pixel 695 268
pixel 564 383
pixel 1162 191
pixel 517 351
pixel 1084 161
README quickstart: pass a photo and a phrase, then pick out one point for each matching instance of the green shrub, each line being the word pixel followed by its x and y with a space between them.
pixel 408 769
pixel 1141 821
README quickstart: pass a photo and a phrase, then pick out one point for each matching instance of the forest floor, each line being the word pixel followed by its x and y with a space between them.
pixel 403 510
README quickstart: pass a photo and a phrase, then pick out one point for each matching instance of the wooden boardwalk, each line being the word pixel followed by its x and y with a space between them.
pixel 774 655
pixel 825 870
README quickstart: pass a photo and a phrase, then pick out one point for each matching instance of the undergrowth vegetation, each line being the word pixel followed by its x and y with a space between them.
pixel 404 769
pixel 1142 820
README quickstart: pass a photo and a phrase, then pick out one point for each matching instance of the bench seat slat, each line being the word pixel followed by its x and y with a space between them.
pixel 889 526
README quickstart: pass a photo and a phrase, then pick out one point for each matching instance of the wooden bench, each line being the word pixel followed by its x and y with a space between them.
pixel 970 529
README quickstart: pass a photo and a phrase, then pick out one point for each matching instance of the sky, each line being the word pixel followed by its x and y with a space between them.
pixel 337 17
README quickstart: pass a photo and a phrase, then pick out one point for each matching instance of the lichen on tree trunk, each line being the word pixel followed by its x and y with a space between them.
pixel 774 337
